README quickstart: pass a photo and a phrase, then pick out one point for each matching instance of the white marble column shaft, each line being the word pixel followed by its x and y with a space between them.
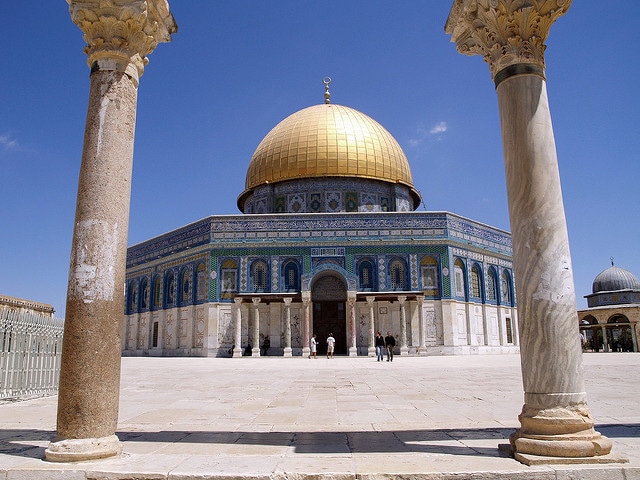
pixel 371 351
pixel 237 349
pixel 404 349
pixel 555 420
pixel 306 302
pixel 255 348
pixel 287 327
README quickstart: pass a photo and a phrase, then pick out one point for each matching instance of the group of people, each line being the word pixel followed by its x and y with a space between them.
pixel 382 343
pixel 387 343
pixel 313 344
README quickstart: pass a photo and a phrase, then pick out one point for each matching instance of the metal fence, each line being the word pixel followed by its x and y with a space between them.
pixel 30 350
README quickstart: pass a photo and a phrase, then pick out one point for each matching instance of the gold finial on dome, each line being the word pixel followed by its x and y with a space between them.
pixel 327 95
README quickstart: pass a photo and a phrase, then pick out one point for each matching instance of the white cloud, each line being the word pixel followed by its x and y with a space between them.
pixel 423 133
pixel 439 128
pixel 7 142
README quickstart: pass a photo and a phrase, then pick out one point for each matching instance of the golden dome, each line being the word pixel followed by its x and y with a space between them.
pixel 328 140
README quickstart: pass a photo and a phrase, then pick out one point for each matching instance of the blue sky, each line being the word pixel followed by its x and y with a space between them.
pixel 236 68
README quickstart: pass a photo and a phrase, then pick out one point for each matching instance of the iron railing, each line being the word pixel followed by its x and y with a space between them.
pixel 30 351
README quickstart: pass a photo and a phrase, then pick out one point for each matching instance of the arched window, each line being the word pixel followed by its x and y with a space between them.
pixel 157 293
pixel 144 294
pixel 201 283
pixel 259 276
pixel 474 284
pixel 229 279
pixel 506 287
pixel 291 276
pixel 397 274
pixel 366 275
pixel 132 303
pixel 492 282
pixel 170 288
pixel 185 287
pixel 429 276
pixel 459 280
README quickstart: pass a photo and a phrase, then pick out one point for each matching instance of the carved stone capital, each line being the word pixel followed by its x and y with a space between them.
pixel 505 32
pixel 121 33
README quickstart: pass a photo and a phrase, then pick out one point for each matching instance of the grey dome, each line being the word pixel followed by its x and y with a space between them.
pixel 615 278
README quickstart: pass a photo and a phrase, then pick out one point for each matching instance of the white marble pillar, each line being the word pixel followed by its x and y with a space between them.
pixel 119 37
pixel 555 419
pixel 404 349
pixel 255 348
pixel 422 328
pixel 237 349
pixel 287 327
pixel 351 302
pixel 306 302
pixel 371 351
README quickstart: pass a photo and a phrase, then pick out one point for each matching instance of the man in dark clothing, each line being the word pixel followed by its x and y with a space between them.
pixel 390 343
pixel 379 346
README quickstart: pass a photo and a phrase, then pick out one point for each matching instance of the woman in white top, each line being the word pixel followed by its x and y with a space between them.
pixel 314 347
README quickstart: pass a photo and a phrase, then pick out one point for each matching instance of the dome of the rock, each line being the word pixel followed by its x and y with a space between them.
pixel 335 142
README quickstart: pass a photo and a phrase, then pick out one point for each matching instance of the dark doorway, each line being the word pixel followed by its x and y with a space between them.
pixel 329 317
pixel 329 295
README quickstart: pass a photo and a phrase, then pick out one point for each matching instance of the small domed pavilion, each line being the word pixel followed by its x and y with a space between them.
pixel 611 321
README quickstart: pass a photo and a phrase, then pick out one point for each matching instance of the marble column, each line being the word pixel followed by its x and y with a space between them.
pixel 422 328
pixel 351 302
pixel 237 349
pixel 371 351
pixel 306 302
pixel 119 37
pixel 404 349
pixel 555 419
pixel 255 348
pixel 287 327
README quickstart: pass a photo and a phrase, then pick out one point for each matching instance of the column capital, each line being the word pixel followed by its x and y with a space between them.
pixel 287 301
pixel 509 34
pixel 370 299
pixel 120 34
pixel 256 300
pixel 238 300
pixel 402 299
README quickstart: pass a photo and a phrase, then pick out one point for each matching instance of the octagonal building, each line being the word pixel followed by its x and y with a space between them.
pixel 328 241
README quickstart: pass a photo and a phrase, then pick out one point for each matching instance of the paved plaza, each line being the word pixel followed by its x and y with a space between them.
pixel 297 418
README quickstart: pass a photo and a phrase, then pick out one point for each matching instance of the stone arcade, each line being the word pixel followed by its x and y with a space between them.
pixel 556 424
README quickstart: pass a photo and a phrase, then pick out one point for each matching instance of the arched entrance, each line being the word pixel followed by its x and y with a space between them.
pixel 329 296
pixel 620 334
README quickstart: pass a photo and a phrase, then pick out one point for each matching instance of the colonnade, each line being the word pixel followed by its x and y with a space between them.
pixel 509 34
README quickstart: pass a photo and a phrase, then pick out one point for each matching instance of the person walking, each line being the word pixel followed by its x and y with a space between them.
pixel 331 343
pixel 314 347
pixel 390 343
pixel 379 346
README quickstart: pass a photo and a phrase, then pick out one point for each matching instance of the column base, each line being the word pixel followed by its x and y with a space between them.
pixel 404 351
pixel 81 449
pixel 237 352
pixel 353 352
pixel 306 351
pixel 255 352
pixel 558 432
pixel 371 352
pixel 288 352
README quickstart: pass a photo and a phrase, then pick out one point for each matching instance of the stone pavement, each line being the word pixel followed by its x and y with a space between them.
pixel 297 418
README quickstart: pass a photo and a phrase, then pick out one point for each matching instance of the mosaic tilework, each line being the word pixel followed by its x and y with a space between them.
pixel 275 274
pixel 413 270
